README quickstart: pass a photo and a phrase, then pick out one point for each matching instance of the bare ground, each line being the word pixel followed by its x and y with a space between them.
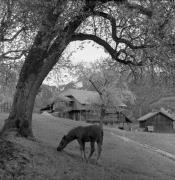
pixel 119 161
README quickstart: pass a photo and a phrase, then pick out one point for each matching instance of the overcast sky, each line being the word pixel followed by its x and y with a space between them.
pixel 89 53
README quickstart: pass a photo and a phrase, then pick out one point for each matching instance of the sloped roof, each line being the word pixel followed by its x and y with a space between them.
pixel 83 96
pixel 86 97
pixel 151 114
pixel 147 116
pixel 59 98
pixel 62 98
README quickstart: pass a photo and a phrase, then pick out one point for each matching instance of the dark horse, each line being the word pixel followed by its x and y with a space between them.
pixel 82 134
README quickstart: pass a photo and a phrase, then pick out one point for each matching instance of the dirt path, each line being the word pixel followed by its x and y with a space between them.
pixel 120 159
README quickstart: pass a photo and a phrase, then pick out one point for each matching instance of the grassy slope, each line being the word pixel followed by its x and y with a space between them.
pixel 163 141
pixel 46 162
pixel 119 161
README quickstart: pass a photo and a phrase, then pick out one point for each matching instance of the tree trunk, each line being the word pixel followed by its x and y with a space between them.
pixel 51 40
pixel 21 112
pixel 35 68
pixel 30 79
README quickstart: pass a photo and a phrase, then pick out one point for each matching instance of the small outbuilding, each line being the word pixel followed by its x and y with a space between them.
pixel 160 121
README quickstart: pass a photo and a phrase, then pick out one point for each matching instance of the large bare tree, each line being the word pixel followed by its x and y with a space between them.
pixel 120 26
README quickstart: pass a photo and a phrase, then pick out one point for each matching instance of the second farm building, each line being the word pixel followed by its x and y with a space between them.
pixel 160 121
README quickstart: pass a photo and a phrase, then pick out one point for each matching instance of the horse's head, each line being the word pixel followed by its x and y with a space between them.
pixel 62 144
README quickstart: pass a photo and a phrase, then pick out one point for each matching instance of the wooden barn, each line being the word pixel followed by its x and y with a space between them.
pixel 160 121
pixel 79 105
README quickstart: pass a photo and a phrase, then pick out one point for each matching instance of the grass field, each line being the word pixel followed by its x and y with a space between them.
pixel 163 141
pixel 120 160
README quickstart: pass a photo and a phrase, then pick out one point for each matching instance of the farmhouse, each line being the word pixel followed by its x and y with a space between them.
pixel 160 121
pixel 79 105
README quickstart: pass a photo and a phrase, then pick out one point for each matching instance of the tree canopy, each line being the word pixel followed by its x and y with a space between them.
pixel 134 33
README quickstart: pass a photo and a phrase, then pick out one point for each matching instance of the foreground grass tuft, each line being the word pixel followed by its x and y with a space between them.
pixel 14 160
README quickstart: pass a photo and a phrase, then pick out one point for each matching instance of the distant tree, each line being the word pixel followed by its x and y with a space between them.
pixel 113 91
pixel 17 28
pixel 8 80
pixel 62 72
pixel 149 85
pixel 44 96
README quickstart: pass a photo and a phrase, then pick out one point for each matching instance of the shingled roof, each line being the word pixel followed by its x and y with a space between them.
pixel 151 114
pixel 83 96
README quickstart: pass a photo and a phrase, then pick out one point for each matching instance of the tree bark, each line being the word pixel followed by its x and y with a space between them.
pixel 37 65
pixel 43 55
pixel 30 79
pixel 21 113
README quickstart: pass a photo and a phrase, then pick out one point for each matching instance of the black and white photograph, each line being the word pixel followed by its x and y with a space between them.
pixel 87 90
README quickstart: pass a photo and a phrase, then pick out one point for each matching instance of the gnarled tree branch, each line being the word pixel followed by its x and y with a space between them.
pixel 114 34
pixel 15 35
pixel 140 9
pixel 114 54
pixel 7 55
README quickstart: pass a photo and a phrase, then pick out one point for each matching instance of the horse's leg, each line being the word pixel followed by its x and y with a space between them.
pixel 92 149
pixel 82 149
pixel 99 147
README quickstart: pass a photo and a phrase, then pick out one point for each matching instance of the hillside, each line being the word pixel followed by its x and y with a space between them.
pixel 39 159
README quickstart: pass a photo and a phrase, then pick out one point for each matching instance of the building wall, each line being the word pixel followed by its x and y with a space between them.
pixel 75 105
pixel 159 122
pixel 78 115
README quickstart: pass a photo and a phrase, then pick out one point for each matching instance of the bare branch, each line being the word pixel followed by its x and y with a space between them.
pixel 112 21
pixel 132 6
pixel 6 20
pixel 110 50
pixel 15 35
pixel 140 9
pixel 114 36
pixel 93 84
pixel 6 55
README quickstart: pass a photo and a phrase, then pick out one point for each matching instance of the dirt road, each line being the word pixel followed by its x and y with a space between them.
pixel 120 159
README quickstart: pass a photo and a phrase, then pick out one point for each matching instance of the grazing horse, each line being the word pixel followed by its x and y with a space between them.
pixel 82 134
